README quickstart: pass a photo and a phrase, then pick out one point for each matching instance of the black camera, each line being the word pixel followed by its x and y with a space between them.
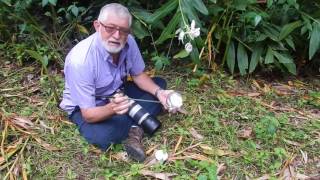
pixel 148 123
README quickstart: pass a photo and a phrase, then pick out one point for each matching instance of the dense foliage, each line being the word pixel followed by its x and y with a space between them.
pixel 241 34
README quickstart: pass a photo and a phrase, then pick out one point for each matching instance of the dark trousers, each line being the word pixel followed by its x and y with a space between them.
pixel 115 129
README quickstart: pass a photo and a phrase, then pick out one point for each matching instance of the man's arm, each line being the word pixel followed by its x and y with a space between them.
pixel 118 105
pixel 144 82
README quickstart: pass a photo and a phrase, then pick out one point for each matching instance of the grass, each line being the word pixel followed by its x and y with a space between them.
pixel 234 128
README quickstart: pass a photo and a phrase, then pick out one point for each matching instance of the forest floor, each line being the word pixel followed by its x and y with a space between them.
pixel 234 128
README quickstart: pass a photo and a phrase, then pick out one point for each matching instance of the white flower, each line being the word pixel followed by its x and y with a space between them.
pixel 181 36
pixel 188 47
pixel 161 155
pixel 193 32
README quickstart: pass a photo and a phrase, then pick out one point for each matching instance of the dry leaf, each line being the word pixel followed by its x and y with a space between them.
pixel 123 156
pixel 288 173
pixel 245 133
pixel 164 176
pixel 197 157
pixel 291 142
pixel 46 145
pixel 213 151
pixel 304 156
pixel 254 94
pixel 264 177
pixel 23 122
pixel 46 127
pixel 195 134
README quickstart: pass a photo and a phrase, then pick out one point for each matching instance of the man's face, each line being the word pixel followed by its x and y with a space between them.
pixel 114 32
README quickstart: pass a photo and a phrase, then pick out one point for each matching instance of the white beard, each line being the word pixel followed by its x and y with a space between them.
pixel 111 49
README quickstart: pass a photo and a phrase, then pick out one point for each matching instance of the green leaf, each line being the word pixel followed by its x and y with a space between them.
pixel 291 67
pixel 53 2
pixel 290 42
pixel 142 14
pixel 283 58
pixel 288 28
pixel 269 57
pixel 255 57
pixel 231 57
pixel 38 57
pixel 139 31
pixel 7 2
pixel 163 11
pixel 75 10
pixel 194 54
pixel 182 54
pixel 160 61
pixel 187 8
pixel 198 4
pixel 44 2
pixel 314 44
pixel 242 57
pixel 169 31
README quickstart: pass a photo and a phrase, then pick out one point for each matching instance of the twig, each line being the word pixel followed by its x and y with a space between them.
pixel 178 144
pixel 190 147
pixel 16 160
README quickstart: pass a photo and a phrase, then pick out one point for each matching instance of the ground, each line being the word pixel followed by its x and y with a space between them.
pixel 234 128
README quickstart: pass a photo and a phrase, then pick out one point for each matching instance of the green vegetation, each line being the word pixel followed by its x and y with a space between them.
pixel 235 127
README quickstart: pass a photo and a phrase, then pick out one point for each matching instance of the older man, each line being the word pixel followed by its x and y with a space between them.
pixel 98 66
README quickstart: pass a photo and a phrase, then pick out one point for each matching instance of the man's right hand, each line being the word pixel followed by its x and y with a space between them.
pixel 120 103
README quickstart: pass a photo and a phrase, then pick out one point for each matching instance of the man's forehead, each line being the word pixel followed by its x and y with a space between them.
pixel 118 20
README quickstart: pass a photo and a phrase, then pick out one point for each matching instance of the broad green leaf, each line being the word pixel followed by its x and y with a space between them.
pixel 269 57
pixel 314 40
pixel 283 58
pixel 231 57
pixel 198 4
pixel 182 54
pixel 186 6
pixel 242 57
pixel 290 42
pixel 291 67
pixel 288 28
pixel 255 57
pixel 75 10
pixel 53 2
pixel 271 32
pixel 169 31
pixel 44 3
pixel 142 14
pixel 194 54
pixel 163 11
pixel 139 31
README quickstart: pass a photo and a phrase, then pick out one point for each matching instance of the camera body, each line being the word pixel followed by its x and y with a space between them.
pixel 148 123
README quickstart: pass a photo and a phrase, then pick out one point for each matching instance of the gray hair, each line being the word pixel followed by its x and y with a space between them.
pixel 116 8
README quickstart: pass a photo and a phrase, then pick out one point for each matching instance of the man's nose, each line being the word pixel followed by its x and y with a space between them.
pixel 116 34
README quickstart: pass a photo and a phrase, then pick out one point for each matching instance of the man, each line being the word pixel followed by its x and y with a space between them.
pixel 98 66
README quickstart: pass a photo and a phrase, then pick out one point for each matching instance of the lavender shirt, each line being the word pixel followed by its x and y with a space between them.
pixel 89 71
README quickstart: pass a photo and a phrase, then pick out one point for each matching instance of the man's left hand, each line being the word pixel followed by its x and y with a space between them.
pixel 163 95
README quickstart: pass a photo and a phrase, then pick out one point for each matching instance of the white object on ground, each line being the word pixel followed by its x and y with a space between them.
pixel 161 155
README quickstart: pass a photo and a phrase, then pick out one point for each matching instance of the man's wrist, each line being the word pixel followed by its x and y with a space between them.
pixel 156 93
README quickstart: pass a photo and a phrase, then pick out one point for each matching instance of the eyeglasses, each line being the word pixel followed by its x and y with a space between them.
pixel 112 29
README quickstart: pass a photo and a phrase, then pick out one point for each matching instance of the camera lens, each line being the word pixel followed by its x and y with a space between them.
pixel 143 118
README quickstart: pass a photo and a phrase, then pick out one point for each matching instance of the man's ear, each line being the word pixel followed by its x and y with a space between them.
pixel 96 25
